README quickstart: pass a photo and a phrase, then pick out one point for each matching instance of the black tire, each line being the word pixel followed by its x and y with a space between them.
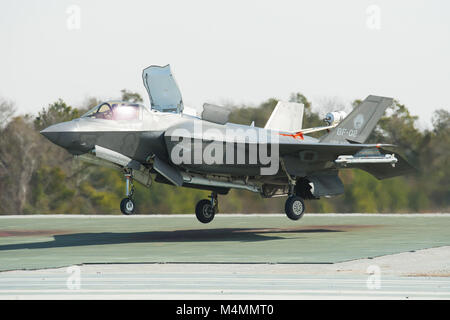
pixel 294 207
pixel 127 206
pixel 205 211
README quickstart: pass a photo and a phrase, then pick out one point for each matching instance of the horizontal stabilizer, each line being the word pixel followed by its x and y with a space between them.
pixel 386 170
pixel 380 162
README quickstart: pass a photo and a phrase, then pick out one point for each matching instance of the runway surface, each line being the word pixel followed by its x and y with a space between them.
pixel 234 257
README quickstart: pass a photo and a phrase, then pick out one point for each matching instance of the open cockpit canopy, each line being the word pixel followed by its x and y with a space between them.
pixel 115 110
pixel 163 91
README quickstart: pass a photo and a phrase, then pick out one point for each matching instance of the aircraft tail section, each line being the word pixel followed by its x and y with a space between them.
pixel 287 116
pixel 359 124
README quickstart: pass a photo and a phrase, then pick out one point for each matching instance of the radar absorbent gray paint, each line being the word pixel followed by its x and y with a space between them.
pixel 164 144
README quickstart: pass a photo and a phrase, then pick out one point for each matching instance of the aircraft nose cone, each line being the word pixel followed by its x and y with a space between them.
pixel 50 135
pixel 64 135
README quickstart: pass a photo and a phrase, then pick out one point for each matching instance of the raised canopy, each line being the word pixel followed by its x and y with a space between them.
pixel 162 89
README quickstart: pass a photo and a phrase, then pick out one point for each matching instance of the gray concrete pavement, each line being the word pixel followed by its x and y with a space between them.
pixel 57 241
pixel 399 276
pixel 236 257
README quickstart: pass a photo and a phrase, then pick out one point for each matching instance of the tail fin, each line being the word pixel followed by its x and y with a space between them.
pixel 287 116
pixel 358 125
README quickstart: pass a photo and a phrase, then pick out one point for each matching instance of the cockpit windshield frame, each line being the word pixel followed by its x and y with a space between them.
pixel 116 110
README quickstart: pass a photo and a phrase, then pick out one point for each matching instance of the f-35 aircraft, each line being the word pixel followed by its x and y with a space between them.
pixel 167 144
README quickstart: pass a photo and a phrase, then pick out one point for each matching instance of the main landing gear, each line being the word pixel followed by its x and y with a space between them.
pixel 295 205
pixel 127 205
pixel 206 209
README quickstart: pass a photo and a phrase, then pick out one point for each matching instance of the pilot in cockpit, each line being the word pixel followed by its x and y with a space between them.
pixel 116 110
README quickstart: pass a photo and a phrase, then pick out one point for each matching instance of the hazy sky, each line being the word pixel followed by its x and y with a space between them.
pixel 227 51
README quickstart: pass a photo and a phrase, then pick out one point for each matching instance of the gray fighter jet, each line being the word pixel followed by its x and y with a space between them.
pixel 167 144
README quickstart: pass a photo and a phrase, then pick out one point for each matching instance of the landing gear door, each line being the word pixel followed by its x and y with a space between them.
pixel 162 89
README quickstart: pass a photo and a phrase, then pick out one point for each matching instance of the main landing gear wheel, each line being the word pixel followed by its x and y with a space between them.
pixel 294 207
pixel 127 206
pixel 205 209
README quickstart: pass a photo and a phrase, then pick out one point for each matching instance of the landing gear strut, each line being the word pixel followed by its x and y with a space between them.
pixel 127 205
pixel 206 209
pixel 294 206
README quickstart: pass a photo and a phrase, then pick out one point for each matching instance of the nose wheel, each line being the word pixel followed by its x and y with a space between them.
pixel 127 205
pixel 205 209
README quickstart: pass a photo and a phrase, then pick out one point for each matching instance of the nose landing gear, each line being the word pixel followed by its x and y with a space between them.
pixel 205 209
pixel 127 205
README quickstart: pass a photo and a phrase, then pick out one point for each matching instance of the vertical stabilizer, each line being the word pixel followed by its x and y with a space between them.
pixel 287 116
pixel 359 124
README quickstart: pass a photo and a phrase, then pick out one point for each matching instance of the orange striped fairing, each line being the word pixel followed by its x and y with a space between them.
pixel 297 135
